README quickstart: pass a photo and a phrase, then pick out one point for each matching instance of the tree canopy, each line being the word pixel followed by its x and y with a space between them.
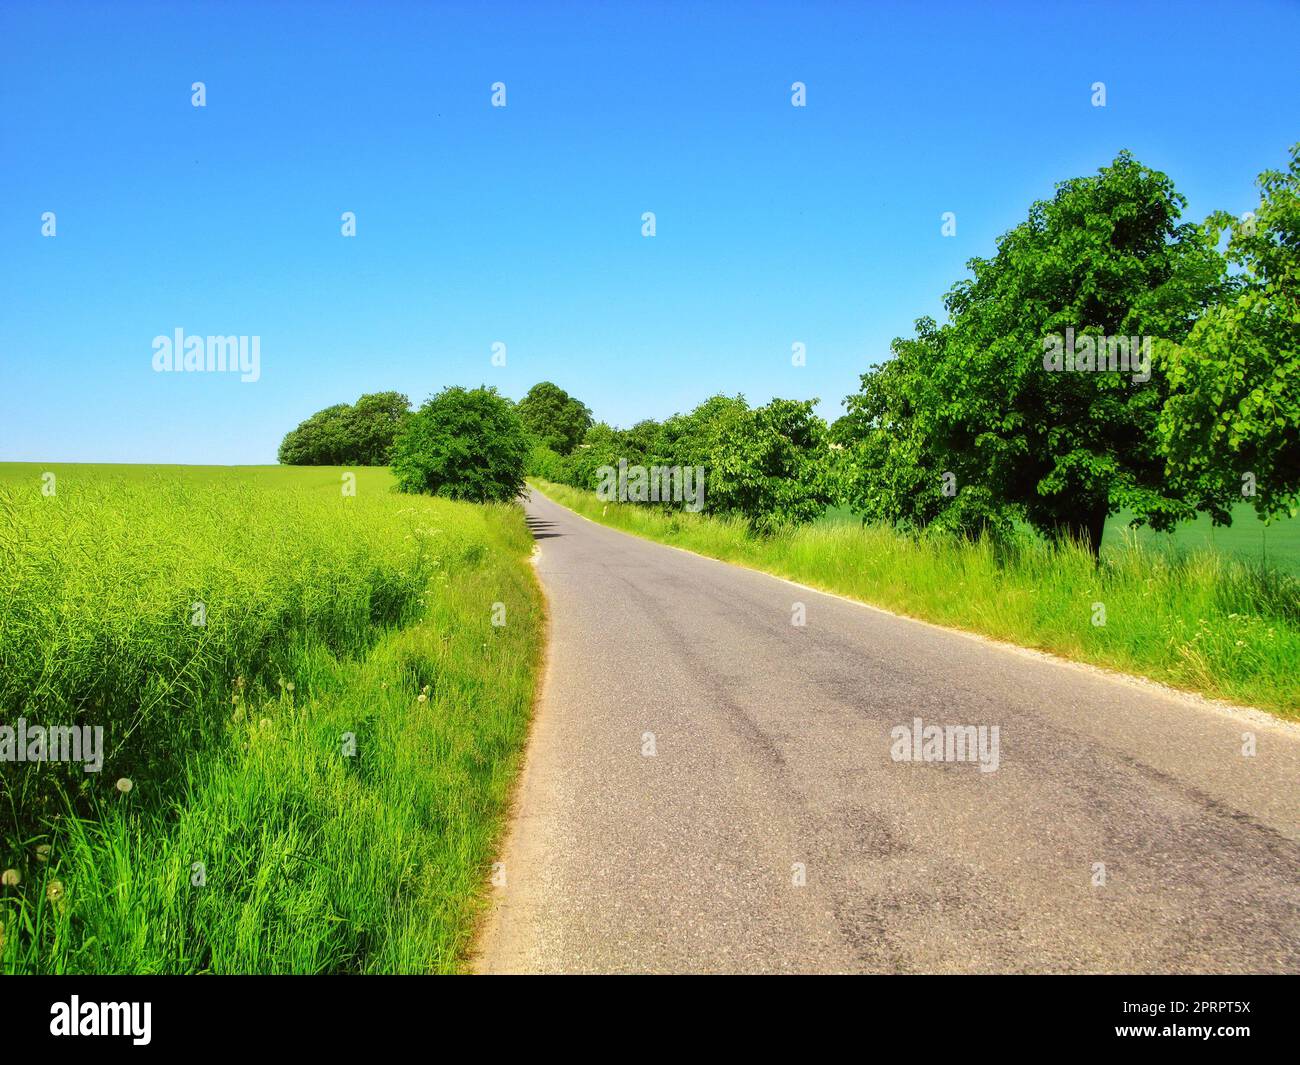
pixel 463 444
pixel 979 419
pixel 556 419
pixel 1231 425
pixel 359 434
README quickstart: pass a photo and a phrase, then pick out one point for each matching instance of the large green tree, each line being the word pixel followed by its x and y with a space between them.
pixel 1231 425
pixel 464 444
pixel 973 407
pixel 556 419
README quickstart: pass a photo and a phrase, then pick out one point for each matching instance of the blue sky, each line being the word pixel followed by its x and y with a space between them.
pixel 522 224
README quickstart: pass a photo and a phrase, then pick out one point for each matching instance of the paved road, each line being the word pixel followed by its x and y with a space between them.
pixel 773 754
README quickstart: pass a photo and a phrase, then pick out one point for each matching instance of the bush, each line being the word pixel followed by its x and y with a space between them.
pixel 463 444
pixel 545 463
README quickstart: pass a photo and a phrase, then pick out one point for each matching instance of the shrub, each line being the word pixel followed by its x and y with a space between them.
pixel 545 463
pixel 465 444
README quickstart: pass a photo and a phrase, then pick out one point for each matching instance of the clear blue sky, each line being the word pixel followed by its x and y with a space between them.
pixel 523 225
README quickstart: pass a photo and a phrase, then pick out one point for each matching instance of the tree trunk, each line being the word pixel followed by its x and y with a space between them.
pixel 1085 528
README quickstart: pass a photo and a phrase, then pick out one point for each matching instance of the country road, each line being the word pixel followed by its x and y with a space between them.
pixel 711 788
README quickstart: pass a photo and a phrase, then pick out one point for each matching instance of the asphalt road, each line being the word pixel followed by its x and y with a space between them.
pixel 773 830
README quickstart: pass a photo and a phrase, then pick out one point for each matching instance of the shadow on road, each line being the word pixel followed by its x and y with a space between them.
pixel 539 528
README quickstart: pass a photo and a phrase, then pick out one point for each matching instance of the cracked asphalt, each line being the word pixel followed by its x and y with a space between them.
pixel 710 788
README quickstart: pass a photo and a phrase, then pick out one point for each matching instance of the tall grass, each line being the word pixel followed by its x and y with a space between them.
pixel 318 773
pixel 1196 620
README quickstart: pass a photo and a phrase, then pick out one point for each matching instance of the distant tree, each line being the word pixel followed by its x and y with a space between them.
pixel 463 444
pixel 601 446
pixel 373 423
pixel 360 434
pixel 1231 425
pixel 691 439
pixel 770 465
pixel 548 465
pixel 321 440
pixel 643 439
pixel 555 418
pixel 1106 257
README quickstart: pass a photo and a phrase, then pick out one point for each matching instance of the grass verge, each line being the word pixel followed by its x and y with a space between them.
pixel 319 773
pixel 1196 620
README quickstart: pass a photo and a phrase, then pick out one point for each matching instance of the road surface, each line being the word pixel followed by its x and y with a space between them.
pixel 711 787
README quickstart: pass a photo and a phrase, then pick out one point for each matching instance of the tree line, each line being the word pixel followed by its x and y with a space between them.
pixel 1108 355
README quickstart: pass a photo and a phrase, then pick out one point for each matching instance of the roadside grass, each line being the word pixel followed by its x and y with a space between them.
pixel 319 773
pixel 1195 619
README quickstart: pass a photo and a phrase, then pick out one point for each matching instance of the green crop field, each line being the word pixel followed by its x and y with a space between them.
pixel 1195 618
pixel 311 723
pixel 1247 538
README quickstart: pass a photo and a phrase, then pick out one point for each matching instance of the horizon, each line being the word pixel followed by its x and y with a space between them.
pixel 521 225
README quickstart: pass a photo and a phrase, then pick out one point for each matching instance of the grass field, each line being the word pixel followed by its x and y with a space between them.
pixel 318 772
pixel 1196 619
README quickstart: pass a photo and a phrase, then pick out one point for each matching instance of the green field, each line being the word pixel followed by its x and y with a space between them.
pixel 1194 618
pixel 318 771
pixel 324 480
pixel 1247 538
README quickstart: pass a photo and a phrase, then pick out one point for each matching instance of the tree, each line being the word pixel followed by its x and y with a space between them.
pixel 373 425
pixel 546 464
pixel 770 465
pixel 463 444
pixel 321 440
pixel 360 434
pixel 692 439
pixel 554 417
pixel 642 440
pixel 1231 425
pixel 1107 258
pixel 601 446
pixel 894 467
